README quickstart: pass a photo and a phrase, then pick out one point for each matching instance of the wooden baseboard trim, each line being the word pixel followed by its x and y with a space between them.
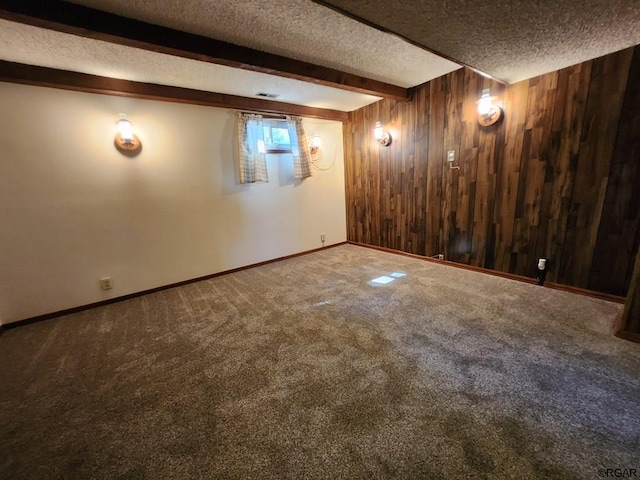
pixel 631 336
pixel 495 273
pixel 60 313
pixel 583 291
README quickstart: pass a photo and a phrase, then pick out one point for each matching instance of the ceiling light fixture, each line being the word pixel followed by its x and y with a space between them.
pixel 382 136
pixel 488 112
pixel 125 140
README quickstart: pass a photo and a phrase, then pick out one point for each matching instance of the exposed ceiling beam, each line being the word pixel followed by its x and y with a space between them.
pixel 82 82
pixel 87 22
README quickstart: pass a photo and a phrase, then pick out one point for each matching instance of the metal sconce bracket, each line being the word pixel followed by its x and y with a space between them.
pixel 385 140
pixel 127 145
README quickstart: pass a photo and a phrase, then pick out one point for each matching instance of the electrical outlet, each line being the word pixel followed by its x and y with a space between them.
pixel 322 237
pixel 440 256
pixel 106 283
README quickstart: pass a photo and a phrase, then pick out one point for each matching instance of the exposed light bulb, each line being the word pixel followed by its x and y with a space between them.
pixel 126 130
pixel 484 105
pixel 378 132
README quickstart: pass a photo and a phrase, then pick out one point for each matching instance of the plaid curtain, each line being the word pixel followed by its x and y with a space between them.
pixel 252 161
pixel 299 148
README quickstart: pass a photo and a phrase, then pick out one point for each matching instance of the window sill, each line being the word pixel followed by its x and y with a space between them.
pixel 277 151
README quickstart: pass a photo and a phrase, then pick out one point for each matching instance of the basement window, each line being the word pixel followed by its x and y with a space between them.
pixel 276 136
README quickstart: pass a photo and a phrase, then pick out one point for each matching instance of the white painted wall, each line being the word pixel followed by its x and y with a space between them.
pixel 73 209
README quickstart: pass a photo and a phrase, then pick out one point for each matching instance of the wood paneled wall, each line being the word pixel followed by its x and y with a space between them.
pixel 558 178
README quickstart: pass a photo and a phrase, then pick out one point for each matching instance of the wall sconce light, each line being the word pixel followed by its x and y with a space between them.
pixel 488 112
pixel 383 137
pixel 314 144
pixel 125 140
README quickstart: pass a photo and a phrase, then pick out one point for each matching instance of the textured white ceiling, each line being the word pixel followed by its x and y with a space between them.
pixel 37 46
pixel 298 29
pixel 507 39
pixel 510 40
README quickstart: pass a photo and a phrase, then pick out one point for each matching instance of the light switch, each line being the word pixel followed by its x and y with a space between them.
pixel 451 156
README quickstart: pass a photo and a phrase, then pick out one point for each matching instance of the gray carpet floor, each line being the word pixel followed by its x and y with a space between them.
pixel 304 369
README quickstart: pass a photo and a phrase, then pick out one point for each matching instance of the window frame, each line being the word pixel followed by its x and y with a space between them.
pixel 277 148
